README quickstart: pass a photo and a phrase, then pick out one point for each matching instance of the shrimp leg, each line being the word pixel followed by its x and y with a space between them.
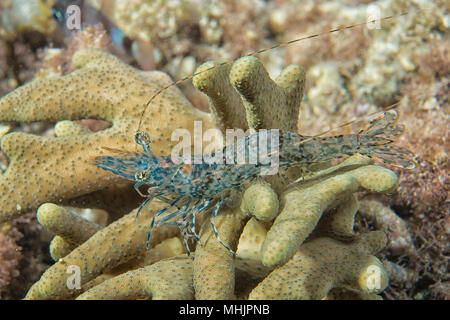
pixel 182 224
pixel 183 210
pixel 149 198
pixel 156 215
pixel 216 233
pixel 194 215
pixel 137 186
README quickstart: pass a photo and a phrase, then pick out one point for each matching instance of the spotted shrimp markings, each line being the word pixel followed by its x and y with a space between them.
pixel 193 188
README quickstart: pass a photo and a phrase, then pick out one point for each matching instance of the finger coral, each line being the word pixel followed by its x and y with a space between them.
pixel 60 168
pixel 122 241
pixel 164 280
pixel 402 59
pixel 71 228
pixel 256 98
pixel 113 260
pixel 323 264
pixel 214 269
pixel 245 87
pixel 214 266
pixel 304 206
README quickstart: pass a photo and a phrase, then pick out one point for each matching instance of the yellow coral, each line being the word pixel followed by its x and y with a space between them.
pixel 248 255
pixel 120 247
pixel 214 266
pixel 246 87
pixel 71 228
pixel 260 201
pixel 304 206
pixel 68 130
pixel 46 169
pixel 214 276
pixel 255 93
pixel 165 280
pixel 323 264
pixel 122 241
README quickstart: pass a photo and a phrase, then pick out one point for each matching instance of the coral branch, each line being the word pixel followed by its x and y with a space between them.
pixel 120 242
pixel 304 206
pixel 214 271
pixel 168 279
pixel 105 88
pixel 323 264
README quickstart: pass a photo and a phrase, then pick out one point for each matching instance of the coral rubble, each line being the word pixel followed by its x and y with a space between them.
pixel 18 16
pixel 9 261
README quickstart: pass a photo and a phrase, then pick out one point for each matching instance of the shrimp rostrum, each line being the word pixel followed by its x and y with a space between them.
pixel 193 187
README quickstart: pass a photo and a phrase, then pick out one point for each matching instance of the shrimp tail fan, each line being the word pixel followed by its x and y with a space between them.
pixel 377 138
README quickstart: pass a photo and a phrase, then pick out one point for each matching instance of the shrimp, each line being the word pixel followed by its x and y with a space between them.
pixel 194 188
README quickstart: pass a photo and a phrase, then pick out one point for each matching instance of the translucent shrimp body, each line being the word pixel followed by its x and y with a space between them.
pixel 197 187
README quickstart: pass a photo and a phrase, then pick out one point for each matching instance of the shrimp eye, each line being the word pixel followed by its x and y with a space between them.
pixel 142 176
pixel 142 138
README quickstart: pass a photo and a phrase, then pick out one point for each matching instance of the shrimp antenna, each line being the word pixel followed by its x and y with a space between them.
pixel 283 44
